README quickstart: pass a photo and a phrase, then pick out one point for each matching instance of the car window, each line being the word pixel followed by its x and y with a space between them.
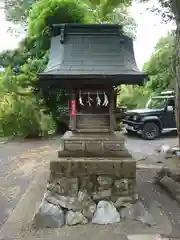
pixel 171 102
pixel 157 103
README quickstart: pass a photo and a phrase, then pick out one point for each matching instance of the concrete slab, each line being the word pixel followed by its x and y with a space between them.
pixel 148 166
pixel 146 237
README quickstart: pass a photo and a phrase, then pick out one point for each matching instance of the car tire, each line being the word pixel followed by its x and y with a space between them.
pixel 129 132
pixel 150 131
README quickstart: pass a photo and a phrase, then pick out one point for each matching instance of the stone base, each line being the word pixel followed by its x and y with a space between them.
pixel 92 145
pixel 104 179
pixel 52 216
pixel 80 187
pixel 75 167
pixel 95 176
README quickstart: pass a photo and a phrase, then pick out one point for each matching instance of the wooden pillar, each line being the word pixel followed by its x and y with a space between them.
pixel 73 111
pixel 112 116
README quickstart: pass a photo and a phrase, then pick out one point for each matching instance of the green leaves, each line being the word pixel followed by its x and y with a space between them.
pixel 122 17
pixel 45 13
pixel 20 109
pixel 17 11
pixel 159 67
pixel 133 96
pixel 21 115
pixel 107 6
pixel 160 74
pixel 20 112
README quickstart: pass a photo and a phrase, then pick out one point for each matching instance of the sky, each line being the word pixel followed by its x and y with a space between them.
pixel 150 29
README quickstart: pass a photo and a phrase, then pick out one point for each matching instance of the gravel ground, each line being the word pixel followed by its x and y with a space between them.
pixel 19 163
pixel 141 147
pixel 21 160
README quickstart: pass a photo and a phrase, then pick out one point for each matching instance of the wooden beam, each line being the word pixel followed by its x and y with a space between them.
pixel 112 117
pixel 73 117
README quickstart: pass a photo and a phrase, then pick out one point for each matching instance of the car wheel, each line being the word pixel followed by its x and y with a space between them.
pixel 150 131
pixel 130 132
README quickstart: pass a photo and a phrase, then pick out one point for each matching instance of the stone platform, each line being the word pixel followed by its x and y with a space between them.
pixel 100 178
pixel 77 188
pixel 75 144
pixel 75 167
pixel 94 174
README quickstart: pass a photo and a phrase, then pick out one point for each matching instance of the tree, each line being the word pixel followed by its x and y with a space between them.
pixel 176 10
pixel 17 11
pixel 170 10
pixel 116 11
pixel 133 96
pixel 20 109
pixel 160 75
pixel 122 17
pixel 160 65
pixel 55 11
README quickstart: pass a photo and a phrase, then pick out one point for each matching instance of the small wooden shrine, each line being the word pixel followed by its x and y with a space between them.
pixel 89 61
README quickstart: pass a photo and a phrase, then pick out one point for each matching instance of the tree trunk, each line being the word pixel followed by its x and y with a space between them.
pixel 176 11
pixel 177 77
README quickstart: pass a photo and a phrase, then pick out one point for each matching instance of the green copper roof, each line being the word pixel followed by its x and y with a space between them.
pixel 95 51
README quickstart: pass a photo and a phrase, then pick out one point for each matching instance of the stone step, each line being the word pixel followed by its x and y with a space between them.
pixel 93 130
pixel 91 121
pixel 84 119
pixel 93 124
pixel 98 122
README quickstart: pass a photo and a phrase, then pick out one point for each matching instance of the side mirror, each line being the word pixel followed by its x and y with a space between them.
pixel 170 108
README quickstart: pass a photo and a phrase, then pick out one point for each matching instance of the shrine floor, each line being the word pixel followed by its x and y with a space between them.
pixel 32 164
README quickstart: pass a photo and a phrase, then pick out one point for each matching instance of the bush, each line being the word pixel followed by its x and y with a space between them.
pixel 20 116
pixel 133 96
pixel 20 110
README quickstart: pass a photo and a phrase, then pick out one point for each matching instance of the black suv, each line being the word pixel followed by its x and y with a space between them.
pixel 158 117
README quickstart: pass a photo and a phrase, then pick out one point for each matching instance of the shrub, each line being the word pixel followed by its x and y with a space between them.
pixel 21 116
pixel 133 96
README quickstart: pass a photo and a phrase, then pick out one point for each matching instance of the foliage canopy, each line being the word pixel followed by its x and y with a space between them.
pixel 160 65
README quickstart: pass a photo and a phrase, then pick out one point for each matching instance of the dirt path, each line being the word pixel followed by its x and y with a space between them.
pixel 20 161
